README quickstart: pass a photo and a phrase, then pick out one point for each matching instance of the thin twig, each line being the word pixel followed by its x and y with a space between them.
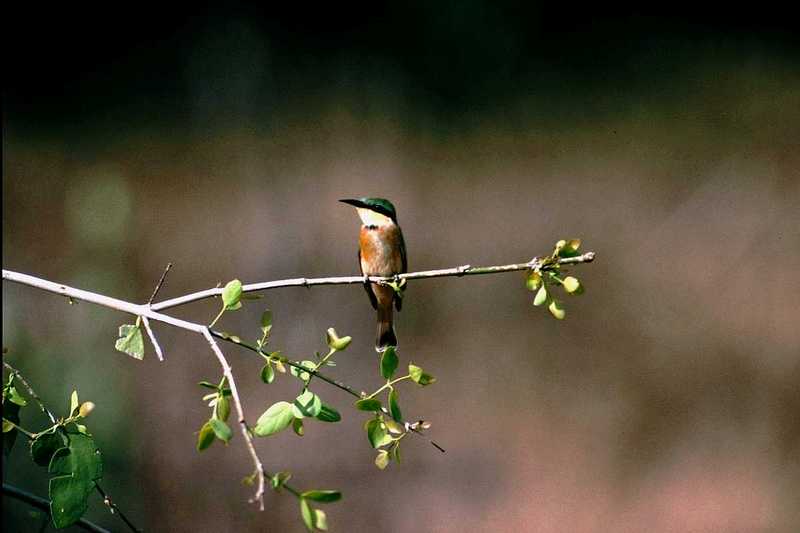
pixel 106 499
pixel 153 340
pixel 146 311
pixel 464 270
pixel 338 384
pixel 147 328
pixel 44 505
pixel 114 508
pixel 31 392
pixel 248 439
pixel 160 282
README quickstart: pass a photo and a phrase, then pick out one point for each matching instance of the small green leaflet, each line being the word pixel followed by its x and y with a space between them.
pixel 275 419
pixel 130 341
pixel 232 295
pixel 394 407
pixel 221 430
pixel 322 496
pixel 389 362
pixel 206 437
pixel 368 404
pixel 307 404
pixel 419 376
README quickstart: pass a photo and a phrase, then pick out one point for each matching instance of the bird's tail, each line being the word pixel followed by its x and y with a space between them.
pixel 386 336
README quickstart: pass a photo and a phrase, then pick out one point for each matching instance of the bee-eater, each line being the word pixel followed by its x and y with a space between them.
pixel 381 252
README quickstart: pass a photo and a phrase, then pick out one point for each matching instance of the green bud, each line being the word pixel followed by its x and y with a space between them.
pixel 337 343
pixel 533 281
pixel 556 310
pixel 541 296
pixel 86 409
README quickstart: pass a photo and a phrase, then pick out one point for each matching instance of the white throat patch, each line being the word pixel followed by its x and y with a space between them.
pixel 371 218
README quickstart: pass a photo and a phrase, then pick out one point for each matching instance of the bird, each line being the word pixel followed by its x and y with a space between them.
pixel 381 252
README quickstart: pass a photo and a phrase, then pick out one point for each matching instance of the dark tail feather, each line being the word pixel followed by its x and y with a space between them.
pixel 386 336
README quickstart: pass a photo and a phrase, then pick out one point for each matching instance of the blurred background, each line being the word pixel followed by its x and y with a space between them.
pixel 219 139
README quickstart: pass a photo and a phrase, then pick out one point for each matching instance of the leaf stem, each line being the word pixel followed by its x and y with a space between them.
pixel 388 385
pixel 221 312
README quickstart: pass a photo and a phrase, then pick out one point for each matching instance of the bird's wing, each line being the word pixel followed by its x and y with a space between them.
pixel 398 302
pixel 367 287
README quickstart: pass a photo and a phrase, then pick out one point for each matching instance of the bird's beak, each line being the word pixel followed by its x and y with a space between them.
pixel 353 202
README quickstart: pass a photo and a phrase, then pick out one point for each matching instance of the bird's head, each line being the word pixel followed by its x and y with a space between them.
pixel 373 211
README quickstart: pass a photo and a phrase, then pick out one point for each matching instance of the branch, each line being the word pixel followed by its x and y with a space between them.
pixel 327 379
pixel 535 264
pixel 248 438
pixel 30 390
pixel 146 312
pixel 44 505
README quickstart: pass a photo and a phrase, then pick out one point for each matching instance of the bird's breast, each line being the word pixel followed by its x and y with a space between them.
pixel 380 250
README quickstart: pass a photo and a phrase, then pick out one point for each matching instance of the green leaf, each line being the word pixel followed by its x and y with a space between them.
pixel 206 437
pixel 221 430
pixel 394 407
pixel 278 480
pixel 223 408
pixel 297 427
pixel 7 426
pixel 533 281
pixel 69 500
pixel 267 373
pixel 77 466
pixel 556 310
pixel 73 402
pixel 208 385
pixel 15 397
pixel 541 296
pixel 389 362
pixel 275 419
pixel 328 414
pixel 232 295
pixel 335 342
pixel 368 404
pixel 130 341
pixel 45 445
pixel 322 496
pixel 80 458
pixel 266 319
pixel 307 404
pixel 569 248
pixel 308 514
pixel 419 376
pixel 320 520
pixel 377 434
pixel 382 459
pixel 572 285
pixel 303 376
pixel 394 427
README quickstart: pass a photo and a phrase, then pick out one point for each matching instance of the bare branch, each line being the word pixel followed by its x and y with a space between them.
pixel 248 439
pixel 152 336
pixel 146 312
pixel 464 270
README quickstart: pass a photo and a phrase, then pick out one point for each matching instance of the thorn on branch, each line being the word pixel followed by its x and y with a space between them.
pixel 158 285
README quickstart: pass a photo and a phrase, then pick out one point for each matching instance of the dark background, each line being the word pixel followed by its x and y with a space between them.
pixel 219 139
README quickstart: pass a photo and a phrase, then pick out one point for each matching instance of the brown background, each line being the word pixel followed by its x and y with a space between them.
pixel 666 401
